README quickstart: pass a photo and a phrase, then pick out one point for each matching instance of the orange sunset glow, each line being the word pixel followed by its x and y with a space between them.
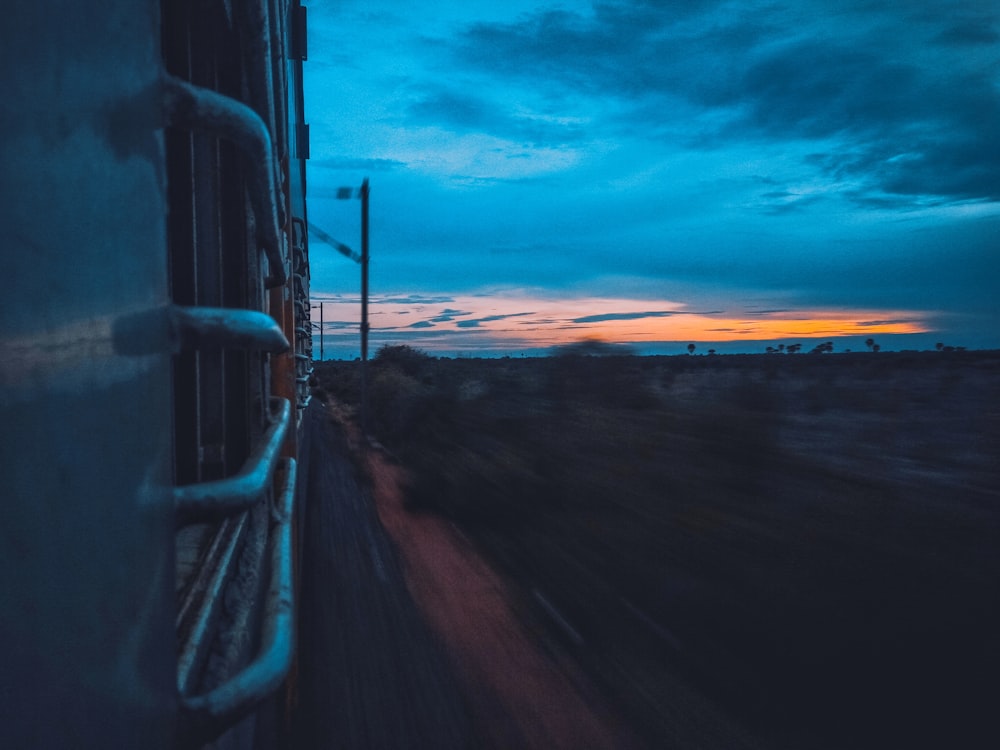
pixel 513 321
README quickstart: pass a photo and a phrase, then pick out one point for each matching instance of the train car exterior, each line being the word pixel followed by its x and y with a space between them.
pixel 155 357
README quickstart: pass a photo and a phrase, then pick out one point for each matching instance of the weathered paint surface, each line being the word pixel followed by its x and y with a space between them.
pixel 86 550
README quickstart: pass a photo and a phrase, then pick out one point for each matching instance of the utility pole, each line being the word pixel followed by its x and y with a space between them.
pixel 321 327
pixel 347 193
pixel 364 306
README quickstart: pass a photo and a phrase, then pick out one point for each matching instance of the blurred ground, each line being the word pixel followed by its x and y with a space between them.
pixel 371 673
pixel 790 551
pixel 521 695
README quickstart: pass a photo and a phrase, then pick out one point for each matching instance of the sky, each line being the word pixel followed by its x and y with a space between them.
pixel 654 173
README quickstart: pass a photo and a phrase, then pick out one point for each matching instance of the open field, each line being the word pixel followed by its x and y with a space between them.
pixel 782 551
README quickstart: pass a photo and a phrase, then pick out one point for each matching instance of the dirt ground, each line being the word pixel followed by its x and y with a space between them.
pixel 521 694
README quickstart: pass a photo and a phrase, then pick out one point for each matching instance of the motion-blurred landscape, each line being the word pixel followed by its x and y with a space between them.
pixel 774 551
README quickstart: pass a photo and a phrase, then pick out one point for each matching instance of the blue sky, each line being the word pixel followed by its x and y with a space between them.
pixel 732 174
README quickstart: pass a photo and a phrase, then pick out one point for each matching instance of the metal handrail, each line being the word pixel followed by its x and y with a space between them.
pixel 195 327
pixel 197 108
pixel 210 713
pixel 208 593
pixel 194 502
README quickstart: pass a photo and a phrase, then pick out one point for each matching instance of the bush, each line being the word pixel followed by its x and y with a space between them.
pixel 404 358
pixel 398 402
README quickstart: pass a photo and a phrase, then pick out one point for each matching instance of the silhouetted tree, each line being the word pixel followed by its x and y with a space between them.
pixel 690 348
pixel 870 343
pixel 875 347
pixel 711 351
pixel 939 346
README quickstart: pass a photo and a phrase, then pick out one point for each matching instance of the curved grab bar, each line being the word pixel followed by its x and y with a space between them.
pixel 200 607
pixel 197 108
pixel 195 327
pixel 224 496
pixel 210 713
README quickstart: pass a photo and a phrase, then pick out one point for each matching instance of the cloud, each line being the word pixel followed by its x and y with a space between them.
pixel 903 115
pixel 490 319
pixel 481 155
pixel 898 127
pixel 467 112
pixel 892 322
pixel 624 316
pixel 338 325
pixel 605 317
pixel 416 299
pixel 773 311
pixel 779 202
pixel 971 32
pixel 616 48
pixel 448 315
pixel 356 164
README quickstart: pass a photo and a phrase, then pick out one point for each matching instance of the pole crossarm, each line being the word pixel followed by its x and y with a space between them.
pixel 340 247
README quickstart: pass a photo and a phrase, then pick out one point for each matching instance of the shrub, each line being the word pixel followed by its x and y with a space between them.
pixel 402 357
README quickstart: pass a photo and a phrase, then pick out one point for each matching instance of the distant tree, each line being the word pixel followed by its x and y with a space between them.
pixel 875 347
pixel 939 346
pixel 794 348
pixel 711 351
pixel 771 350
pixel 690 348
pixel 781 347
pixel 870 343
